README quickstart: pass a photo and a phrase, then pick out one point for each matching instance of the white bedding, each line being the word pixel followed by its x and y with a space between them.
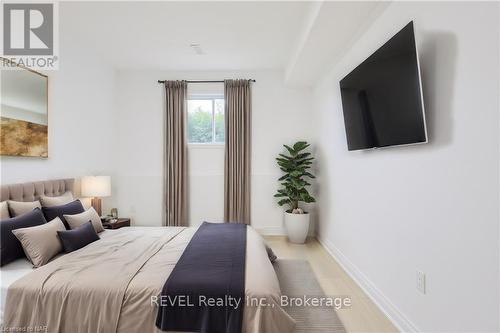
pixel 8 275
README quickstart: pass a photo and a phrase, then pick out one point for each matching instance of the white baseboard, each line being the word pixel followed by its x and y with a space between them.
pixel 402 323
pixel 272 231
pixel 278 231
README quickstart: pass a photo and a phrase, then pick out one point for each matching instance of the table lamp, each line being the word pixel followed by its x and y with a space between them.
pixel 96 187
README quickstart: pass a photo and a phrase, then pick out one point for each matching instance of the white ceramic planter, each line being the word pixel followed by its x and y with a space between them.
pixel 297 227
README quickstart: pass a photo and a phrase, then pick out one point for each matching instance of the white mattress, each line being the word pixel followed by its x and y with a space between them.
pixel 8 275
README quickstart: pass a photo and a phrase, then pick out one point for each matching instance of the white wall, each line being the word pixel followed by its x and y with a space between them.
pixel 386 213
pixel 81 120
pixel 280 115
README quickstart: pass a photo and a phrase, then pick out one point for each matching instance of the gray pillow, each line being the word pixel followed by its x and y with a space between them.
pixel 19 207
pixel 71 208
pixel 90 214
pixel 4 210
pixel 40 243
pixel 10 247
pixel 67 197
pixel 270 254
pixel 75 239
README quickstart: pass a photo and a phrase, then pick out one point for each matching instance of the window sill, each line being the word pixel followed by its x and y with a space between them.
pixel 205 146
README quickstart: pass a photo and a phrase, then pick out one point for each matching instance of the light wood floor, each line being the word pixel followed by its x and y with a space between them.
pixel 363 315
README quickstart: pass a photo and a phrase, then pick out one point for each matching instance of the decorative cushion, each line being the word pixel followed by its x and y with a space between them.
pixel 4 210
pixel 71 208
pixel 75 239
pixel 270 254
pixel 19 207
pixel 90 214
pixel 41 243
pixel 67 197
pixel 10 247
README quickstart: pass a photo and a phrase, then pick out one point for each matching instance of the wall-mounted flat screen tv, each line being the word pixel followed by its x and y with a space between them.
pixel 382 97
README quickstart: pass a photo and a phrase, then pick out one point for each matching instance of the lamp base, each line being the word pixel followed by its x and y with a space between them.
pixel 96 203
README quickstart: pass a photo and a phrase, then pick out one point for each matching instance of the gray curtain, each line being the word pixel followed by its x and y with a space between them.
pixel 238 115
pixel 175 154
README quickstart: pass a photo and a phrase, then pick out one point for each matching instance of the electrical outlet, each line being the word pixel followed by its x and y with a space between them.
pixel 421 282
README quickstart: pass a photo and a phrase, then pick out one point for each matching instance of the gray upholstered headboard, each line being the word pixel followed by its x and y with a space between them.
pixel 32 191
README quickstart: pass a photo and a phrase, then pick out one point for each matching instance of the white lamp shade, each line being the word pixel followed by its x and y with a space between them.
pixel 96 186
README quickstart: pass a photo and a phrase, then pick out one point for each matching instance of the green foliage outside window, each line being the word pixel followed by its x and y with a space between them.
pixel 205 121
pixel 200 126
pixel 219 121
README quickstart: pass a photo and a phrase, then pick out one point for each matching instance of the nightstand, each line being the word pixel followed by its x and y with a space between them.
pixel 122 222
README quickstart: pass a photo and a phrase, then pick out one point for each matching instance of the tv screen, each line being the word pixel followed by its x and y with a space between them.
pixel 382 97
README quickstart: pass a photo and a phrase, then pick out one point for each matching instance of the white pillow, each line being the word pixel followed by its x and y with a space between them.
pixel 67 197
pixel 4 211
pixel 90 214
pixel 19 207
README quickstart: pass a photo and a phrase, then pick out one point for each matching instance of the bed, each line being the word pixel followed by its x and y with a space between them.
pixel 110 285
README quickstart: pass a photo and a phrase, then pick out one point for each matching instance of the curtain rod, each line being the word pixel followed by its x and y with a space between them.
pixel 203 81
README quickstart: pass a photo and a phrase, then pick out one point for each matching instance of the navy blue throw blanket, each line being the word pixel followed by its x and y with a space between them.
pixel 206 290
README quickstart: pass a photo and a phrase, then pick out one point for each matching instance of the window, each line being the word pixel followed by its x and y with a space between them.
pixel 205 120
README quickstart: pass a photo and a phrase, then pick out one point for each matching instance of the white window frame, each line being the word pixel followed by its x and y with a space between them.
pixel 212 144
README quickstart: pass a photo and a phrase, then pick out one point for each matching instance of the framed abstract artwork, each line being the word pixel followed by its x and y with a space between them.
pixel 24 112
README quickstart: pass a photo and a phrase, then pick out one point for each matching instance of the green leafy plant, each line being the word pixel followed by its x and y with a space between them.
pixel 295 165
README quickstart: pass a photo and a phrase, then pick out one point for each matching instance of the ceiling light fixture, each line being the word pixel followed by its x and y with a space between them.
pixel 197 48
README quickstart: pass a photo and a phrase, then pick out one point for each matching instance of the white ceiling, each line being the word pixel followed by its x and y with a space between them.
pixel 332 29
pixel 157 35
pixel 301 38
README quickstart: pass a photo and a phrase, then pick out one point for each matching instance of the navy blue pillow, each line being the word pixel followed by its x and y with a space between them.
pixel 10 247
pixel 71 208
pixel 77 238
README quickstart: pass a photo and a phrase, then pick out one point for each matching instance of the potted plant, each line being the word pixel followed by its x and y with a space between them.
pixel 295 165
